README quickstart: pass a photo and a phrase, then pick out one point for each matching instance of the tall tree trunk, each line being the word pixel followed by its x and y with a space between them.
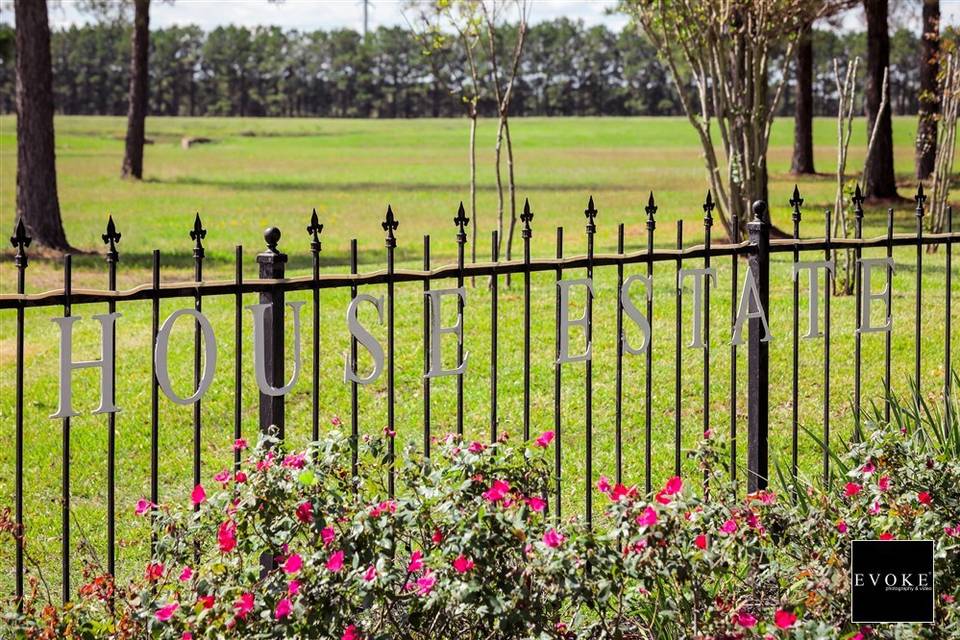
pixel 37 202
pixel 881 181
pixel 929 98
pixel 803 114
pixel 137 96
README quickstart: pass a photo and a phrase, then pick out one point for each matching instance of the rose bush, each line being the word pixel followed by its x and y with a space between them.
pixel 291 545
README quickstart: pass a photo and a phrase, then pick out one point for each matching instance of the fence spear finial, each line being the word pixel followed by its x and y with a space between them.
pixel 390 225
pixel 708 206
pixel 315 229
pixel 111 237
pixel 591 212
pixel 20 240
pixel 526 217
pixel 920 199
pixel 857 200
pixel 198 234
pixel 796 202
pixel 461 221
pixel 651 209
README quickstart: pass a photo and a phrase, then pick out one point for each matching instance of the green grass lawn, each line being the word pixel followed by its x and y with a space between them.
pixel 261 172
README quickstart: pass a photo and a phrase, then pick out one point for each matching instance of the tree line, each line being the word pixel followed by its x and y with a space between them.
pixel 567 69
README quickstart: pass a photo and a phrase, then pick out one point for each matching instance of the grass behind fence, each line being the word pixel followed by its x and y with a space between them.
pixel 349 170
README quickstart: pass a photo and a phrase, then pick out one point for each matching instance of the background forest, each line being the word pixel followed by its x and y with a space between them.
pixel 568 69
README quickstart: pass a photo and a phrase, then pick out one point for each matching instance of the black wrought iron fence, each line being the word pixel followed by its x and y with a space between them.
pixel 751 315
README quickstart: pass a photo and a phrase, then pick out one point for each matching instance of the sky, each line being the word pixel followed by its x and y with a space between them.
pixel 331 14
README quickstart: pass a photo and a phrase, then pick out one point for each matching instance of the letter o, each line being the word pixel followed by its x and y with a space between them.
pixel 209 362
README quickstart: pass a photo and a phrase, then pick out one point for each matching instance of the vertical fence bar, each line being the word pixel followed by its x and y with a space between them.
pixel 65 462
pixel 426 348
pixel 390 225
pixel 526 217
pixel 618 430
pixel 796 202
pixel 20 240
pixel 650 209
pixel 557 388
pixel 857 353
pixel 707 224
pixel 314 230
pixel 354 389
pixel 947 369
pixel 238 354
pixel 678 359
pixel 154 396
pixel 888 335
pixel 758 354
pixel 197 235
pixel 111 238
pixel 735 266
pixel 919 198
pixel 828 294
pixel 461 221
pixel 591 213
pixel 494 282
pixel 272 267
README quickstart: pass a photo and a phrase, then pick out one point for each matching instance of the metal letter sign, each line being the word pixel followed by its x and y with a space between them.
pixel 813 267
pixel 696 341
pixel 437 330
pixel 365 338
pixel 67 365
pixel 209 361
pixel 259 349
pixel 866 296
pixel 566 320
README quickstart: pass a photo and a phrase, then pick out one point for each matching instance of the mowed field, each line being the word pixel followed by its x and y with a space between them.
pixel 260 172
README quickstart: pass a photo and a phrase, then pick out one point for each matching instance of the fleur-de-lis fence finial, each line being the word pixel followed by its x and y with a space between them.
pixel 920 199
pixel 461 221
pixel 651 210
pixel 390 225
pixel 20 241
pixel 591 213
pixel 111 237
pixel 708 206
pixel 314 230
pixel 197 234
pixel 796 202
pixel 857 200
pixel 526 217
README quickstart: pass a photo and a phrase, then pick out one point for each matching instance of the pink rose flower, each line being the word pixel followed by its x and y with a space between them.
pixel 648 518
pixel 223 477
pixel 553 539
pixel 244 605
pixel 673 486
pixel 924 498
pixel 350 633
pixel 868 468
pixel 536 504
pixel 545 439
pixel 294 563
pixel 198 495
pixel 305 512
pixel 335 561
pixel 784 619
pixel 165 613
pixel 700 541
pixel 154 571
pixel 426 582
pixel 370 574
pixel 497 491
pixel 842 526
pixel 336 421
pixel 239 444
pixel 884 483
pixel 730 526
pixel 227 536
pixel 476 447
pixel 240 477
pixel 186 574
pixel 462 564
pixel 886 536
pixel 437 536
pixel 328 535
pixel 745 620
pixel 851 489
pixel 416 562
pixel 603 485
pixel 284 607
pixel 143 506
pixel 293 587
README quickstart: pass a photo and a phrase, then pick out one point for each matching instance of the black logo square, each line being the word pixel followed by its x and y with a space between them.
pixel 891 581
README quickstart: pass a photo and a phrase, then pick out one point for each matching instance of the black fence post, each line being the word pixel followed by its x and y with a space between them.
pixel 272 266
pixel 758 353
